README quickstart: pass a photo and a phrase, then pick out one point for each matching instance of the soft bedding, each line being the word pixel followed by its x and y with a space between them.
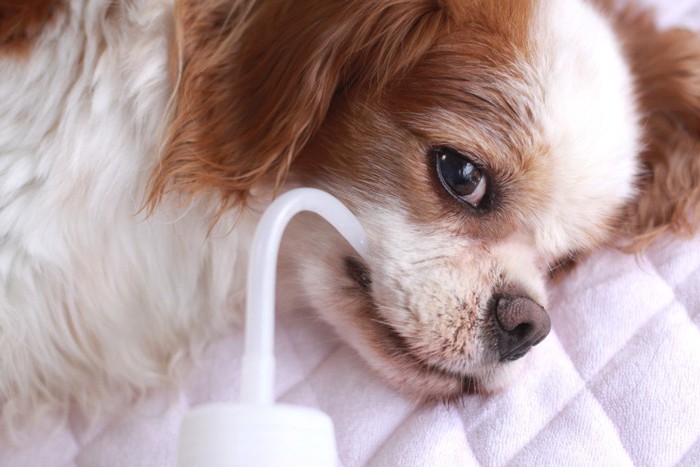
pixel 617 382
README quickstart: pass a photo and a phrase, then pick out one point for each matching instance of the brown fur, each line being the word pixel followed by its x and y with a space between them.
pixel 666 64
pixel 471 88
pixel 505 23
pixel 384 145
pixel 22 21
pixel 251 91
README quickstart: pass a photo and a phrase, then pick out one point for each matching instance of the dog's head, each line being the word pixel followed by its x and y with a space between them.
pixel 480 143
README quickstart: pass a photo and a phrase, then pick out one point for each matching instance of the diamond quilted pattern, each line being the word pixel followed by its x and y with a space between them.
pixel 581 434
pixel 649 389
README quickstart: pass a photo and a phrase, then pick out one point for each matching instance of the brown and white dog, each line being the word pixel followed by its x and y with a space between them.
pixel 481 143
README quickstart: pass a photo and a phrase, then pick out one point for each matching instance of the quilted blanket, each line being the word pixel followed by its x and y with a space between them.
pixel 617 382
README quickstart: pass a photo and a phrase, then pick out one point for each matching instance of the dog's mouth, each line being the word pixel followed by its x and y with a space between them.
pixel 410 374
pixel 358 272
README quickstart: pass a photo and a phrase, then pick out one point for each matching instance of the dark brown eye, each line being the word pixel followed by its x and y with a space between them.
pixel 460 177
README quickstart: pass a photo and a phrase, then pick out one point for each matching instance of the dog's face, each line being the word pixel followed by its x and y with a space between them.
pixel 487 164
pixel 480 144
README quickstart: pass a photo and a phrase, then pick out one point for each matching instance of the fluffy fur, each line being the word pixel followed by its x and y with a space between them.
pixel 139 141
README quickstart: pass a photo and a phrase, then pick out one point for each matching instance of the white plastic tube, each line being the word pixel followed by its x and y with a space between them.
pixel 258 360
pixel 257 432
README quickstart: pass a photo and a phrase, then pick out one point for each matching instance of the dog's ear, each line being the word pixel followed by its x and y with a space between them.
pixel 666 66
pixel 254 81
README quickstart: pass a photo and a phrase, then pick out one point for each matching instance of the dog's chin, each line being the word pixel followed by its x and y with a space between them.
pixel 388 353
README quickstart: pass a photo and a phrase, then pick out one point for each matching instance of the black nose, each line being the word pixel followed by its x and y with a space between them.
pixel 521 324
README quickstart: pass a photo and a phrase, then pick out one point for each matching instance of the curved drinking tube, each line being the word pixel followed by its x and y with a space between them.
pixel 258 360
pixel 256 431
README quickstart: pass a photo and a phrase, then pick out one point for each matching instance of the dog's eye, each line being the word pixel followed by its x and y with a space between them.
pixel 460 176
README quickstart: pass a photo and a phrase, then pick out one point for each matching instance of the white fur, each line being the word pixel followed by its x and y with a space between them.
pixel 587 89
pixel 95 296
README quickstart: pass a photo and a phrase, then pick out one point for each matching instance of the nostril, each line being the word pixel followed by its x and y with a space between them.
pixel 521 324
pixel 522 330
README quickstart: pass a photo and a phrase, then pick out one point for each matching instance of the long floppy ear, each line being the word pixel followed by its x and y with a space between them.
pixel 666 65
pixel 255 79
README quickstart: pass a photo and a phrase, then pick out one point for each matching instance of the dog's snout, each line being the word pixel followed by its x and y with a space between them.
pixel 521 323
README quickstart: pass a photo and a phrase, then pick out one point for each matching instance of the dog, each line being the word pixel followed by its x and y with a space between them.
pixel 482 144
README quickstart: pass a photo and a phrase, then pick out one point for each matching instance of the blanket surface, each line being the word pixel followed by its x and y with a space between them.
pixel 617 382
